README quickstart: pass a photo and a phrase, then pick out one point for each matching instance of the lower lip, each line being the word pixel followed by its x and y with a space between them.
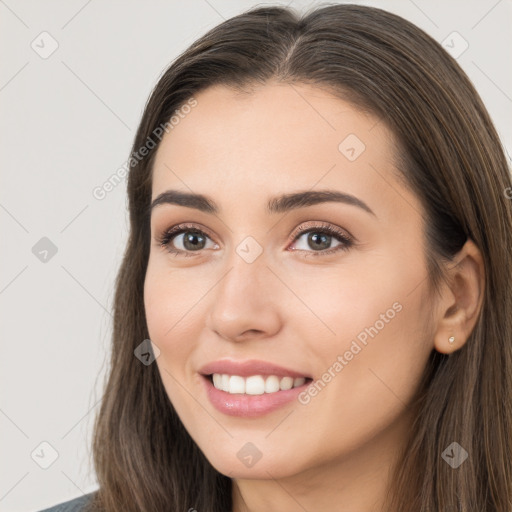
pixel 248 406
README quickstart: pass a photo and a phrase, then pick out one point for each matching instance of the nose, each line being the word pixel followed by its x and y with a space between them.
pixel 245 303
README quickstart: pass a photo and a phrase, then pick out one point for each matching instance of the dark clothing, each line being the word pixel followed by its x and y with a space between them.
pixel 74 505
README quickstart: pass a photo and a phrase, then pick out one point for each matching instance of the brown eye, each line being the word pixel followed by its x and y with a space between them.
pixel 318 240
pixel 192 240
pixel 183 240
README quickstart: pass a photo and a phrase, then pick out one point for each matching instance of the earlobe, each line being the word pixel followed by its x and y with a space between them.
pixel 461 300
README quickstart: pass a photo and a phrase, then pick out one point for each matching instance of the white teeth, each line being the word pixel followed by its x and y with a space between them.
pixel 286 383
pixel 272 384
pixel 217 380
pixel 255 384
pixel 224 383
pixel 236 384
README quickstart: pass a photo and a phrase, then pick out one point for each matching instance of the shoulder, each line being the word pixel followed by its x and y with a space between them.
pixel 74 505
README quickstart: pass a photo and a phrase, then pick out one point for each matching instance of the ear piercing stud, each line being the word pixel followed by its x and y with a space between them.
pixel 451 339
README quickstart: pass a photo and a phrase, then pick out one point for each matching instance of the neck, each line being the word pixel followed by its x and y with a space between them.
pixel 355 482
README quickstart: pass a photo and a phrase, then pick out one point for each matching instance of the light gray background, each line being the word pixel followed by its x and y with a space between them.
pixel 67 125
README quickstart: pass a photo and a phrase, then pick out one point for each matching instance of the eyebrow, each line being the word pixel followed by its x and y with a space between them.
pixel 278 204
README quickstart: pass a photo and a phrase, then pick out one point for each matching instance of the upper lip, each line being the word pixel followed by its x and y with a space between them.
pixel 248 368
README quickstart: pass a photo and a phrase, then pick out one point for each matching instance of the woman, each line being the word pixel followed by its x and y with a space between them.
pixel 319 254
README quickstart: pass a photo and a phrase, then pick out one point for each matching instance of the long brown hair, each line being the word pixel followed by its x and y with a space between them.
pixel 450 156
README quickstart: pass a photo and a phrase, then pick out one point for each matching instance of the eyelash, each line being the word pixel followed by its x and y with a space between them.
pixel 164 240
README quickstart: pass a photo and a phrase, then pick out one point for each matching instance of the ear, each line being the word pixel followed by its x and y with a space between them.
pixel 461 299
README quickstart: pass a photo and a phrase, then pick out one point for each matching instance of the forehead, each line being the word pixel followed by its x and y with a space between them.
pixel 277 138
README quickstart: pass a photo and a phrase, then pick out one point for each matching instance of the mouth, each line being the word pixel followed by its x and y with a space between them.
pixel 255 384
pixel 251 388
pixel 252 396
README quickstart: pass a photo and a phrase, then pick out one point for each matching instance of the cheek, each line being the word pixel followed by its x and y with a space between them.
pixel 169 305
pixel 157 305
pixel 169 299
pixel 343 302
pixel 370 349
pixel 169 315
pixel 379 297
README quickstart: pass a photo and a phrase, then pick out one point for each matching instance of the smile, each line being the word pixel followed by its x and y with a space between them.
pixel 254 384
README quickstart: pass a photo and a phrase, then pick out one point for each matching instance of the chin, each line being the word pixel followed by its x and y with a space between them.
pixel 244 466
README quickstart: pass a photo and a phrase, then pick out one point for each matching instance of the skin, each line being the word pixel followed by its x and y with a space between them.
pixel 290 307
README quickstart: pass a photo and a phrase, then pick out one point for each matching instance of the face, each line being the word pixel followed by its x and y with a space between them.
pixel 329 285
